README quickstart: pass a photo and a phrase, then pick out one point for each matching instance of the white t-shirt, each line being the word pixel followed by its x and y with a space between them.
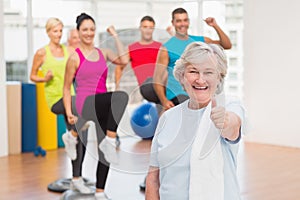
pixel 171 150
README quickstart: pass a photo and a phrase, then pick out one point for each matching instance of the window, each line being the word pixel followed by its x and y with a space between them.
pixel 16 71
pixel 233 76
pixel 233 62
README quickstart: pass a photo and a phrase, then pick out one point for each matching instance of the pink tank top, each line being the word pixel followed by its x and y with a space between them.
pixel 90 78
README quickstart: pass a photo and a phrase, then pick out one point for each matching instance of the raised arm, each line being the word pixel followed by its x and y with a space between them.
pixel 224 40
pixel 152 184
pixel 122 58
pixel 38 61
pixel 118 74
pixel 71 68
pixel 160 77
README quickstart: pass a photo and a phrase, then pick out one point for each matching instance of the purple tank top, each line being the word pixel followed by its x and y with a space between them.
pixel 90 78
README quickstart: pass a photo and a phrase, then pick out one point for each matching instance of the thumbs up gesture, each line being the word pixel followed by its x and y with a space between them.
pixel 227 122
pixel 218 115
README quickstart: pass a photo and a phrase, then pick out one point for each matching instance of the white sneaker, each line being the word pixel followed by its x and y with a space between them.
pixel 85 126
pixel 107 146
pixel 78 185
pixel 70 145
pixel 101 196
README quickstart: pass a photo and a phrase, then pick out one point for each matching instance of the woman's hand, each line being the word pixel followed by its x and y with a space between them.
pixel 72 119
pixel 48 76
pixel 219 116
pixel 227 122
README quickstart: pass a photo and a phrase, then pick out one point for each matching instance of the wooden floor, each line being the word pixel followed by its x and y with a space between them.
pixel 265 173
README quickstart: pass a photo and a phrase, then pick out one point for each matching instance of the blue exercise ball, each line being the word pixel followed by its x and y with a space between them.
pixel 144 120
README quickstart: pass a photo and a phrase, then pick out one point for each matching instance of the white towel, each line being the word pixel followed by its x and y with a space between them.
pixel 206 163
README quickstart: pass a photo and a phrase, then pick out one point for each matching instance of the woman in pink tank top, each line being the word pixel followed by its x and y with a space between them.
pixel 93 102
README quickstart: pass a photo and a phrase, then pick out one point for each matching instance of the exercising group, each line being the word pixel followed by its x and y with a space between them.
pixel 75 83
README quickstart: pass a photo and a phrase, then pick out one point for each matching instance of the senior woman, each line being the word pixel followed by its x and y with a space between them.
pixel 194 150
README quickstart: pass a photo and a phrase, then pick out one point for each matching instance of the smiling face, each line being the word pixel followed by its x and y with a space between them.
pixel 55 33
pixel 181 23
pixel 87 32
pixel 200 82
pixel 147 28
pixel 74 39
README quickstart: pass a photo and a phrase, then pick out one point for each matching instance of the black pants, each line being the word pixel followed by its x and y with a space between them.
pixel 106 110
pixel 58 108
pixel 148 93
pixel 179 99
pixel 80 150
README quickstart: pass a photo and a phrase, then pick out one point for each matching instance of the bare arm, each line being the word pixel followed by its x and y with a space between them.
pixel 122 58
pixel 118 74
pixel 38 61
pixel 160 77
pixel 224 40
pixel 71 68
pixel 152 184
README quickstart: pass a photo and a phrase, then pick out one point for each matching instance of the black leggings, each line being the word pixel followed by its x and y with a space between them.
pixel 58 108
pixel 106 110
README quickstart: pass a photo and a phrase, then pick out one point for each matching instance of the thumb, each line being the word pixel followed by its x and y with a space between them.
pixel 213 103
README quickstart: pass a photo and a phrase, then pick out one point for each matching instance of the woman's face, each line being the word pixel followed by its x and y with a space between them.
pixel 87 32
pixel 55 33
pixel 200 82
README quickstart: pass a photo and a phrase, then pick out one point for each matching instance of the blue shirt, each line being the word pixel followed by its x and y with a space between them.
pixel 175 48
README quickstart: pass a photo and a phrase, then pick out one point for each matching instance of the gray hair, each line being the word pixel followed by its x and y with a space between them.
pixel 198 53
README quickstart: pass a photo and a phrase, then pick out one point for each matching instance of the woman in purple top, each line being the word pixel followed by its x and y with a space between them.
pixel 87 66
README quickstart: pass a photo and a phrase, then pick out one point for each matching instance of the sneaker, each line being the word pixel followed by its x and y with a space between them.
pixel 78 185
pixel 85 126
pixel 109 150
pixel 118 142
pixel 70 145
pixel 101 196
pixel 143 185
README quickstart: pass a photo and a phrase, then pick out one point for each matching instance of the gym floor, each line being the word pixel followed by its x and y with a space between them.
pixel 265 172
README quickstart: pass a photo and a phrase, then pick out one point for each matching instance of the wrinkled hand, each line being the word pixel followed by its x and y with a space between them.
pixel 48 76
pixel 219 116
pixel 210 21
pixel 112 31
pixel 72 119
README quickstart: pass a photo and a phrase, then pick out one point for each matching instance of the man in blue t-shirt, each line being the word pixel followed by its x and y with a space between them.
pixel 169 90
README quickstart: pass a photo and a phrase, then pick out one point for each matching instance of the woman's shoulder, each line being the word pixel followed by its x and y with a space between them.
pixel 41 51
pixel 104 51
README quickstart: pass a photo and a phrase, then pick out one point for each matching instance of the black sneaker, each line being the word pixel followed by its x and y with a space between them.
pixel 143 185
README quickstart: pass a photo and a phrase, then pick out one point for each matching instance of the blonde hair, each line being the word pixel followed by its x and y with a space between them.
pixel 52 22
pixel 199 52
